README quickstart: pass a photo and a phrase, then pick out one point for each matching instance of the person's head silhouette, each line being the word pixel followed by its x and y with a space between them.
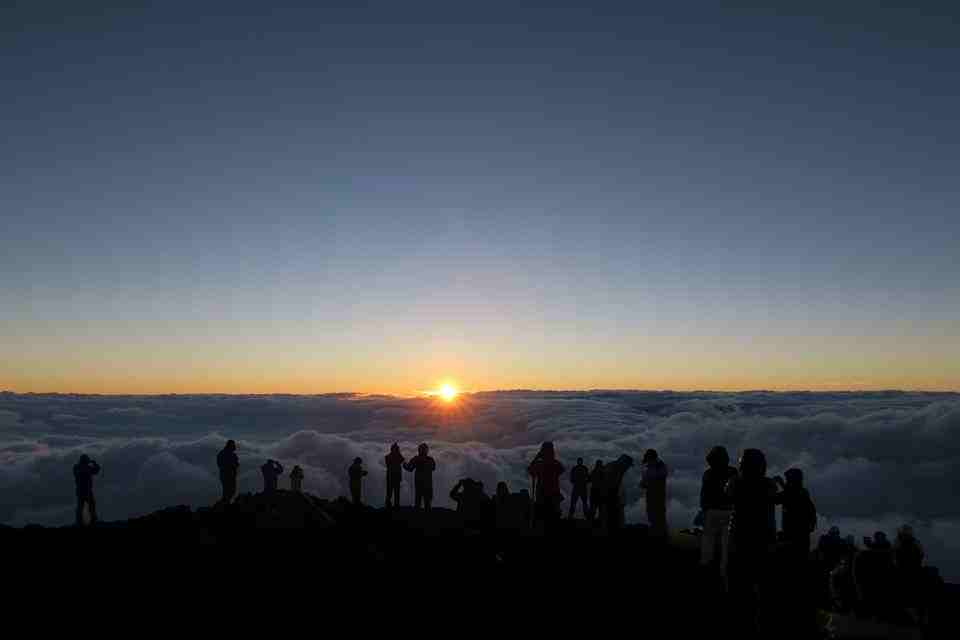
pixel 580 461
pixel 231 445
pixel 794 477
pixel 395 448
pixel 502 490
pixel 84 459
pixel 423 449
pixel 650 456
pixel 718 458
pixel 753 464
pixel 547 451
pixel 357 460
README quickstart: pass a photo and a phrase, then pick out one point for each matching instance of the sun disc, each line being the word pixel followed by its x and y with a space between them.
pixel 448 392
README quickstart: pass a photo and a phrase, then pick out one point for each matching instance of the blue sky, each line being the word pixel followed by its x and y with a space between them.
pixel 491 193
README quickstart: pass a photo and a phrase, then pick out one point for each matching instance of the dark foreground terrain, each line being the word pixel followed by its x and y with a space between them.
pixel 402 572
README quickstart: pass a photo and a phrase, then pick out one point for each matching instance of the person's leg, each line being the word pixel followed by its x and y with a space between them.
pixel 573 506
pixel 708 539
pixel 723 527
pixel 92 505
pixel 80 502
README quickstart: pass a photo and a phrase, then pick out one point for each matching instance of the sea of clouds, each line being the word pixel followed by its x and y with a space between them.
pixel 873 461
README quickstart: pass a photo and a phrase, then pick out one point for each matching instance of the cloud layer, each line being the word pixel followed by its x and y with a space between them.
pixel 872 460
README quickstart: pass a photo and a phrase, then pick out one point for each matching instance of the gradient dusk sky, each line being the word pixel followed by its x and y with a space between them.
pixel 240 197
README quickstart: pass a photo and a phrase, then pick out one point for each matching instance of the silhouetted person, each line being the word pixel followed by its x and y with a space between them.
pixel 752 531
pixel 831 547
pixel 296 479
pixel 579 478
pixel 271 470
pixel 843 589
pixel 394 463
pixel 596 491
pixel 228 463
pixel 717 508
pixel 356 473
pixel 472 502
pixel 654 481
pixel 873 573
pixel 545 470
pixel 83 473
pixel 423 467
pixel 799 512
pixel 610 486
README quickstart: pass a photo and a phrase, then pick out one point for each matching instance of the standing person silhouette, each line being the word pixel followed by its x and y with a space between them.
pixel 799 512
pixel 546 471
pixel 423 467
pixel 596 492
pixel 83 473
pixel 752 533
pixel 296 479
pixel 579 478
pixel 271 470
pixel 228 463
pixel 611 499
pixel 356 473
pixel 654 481
pixel 394 461
pixel 717 508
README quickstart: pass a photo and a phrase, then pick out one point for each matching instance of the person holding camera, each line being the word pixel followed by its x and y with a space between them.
pixel 83 473
pixel 272 470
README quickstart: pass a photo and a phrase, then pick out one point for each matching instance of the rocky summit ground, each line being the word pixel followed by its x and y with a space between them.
pixel 368 564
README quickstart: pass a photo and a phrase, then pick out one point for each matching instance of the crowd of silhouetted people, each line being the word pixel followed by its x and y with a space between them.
pixel 739 539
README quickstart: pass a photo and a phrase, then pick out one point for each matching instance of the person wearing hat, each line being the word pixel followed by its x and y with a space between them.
pixel 423 467
pixel 83 473
pixel 356 473
pixel 654 482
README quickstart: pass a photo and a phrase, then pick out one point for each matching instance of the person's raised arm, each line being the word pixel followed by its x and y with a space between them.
pixel 95 468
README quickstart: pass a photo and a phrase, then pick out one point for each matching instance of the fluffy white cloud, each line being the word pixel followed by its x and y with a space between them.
pixel 872 460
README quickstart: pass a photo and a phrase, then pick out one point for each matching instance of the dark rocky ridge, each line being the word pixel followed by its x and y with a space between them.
pixel 577 573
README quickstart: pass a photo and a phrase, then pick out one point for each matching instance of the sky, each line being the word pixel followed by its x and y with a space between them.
pixel 247 198
pixel 872 461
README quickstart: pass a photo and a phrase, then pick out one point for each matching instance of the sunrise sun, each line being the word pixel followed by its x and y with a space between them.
pixel 447 392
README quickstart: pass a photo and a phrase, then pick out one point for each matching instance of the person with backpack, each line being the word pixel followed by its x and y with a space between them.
pixel 799 513
pixel 579 478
